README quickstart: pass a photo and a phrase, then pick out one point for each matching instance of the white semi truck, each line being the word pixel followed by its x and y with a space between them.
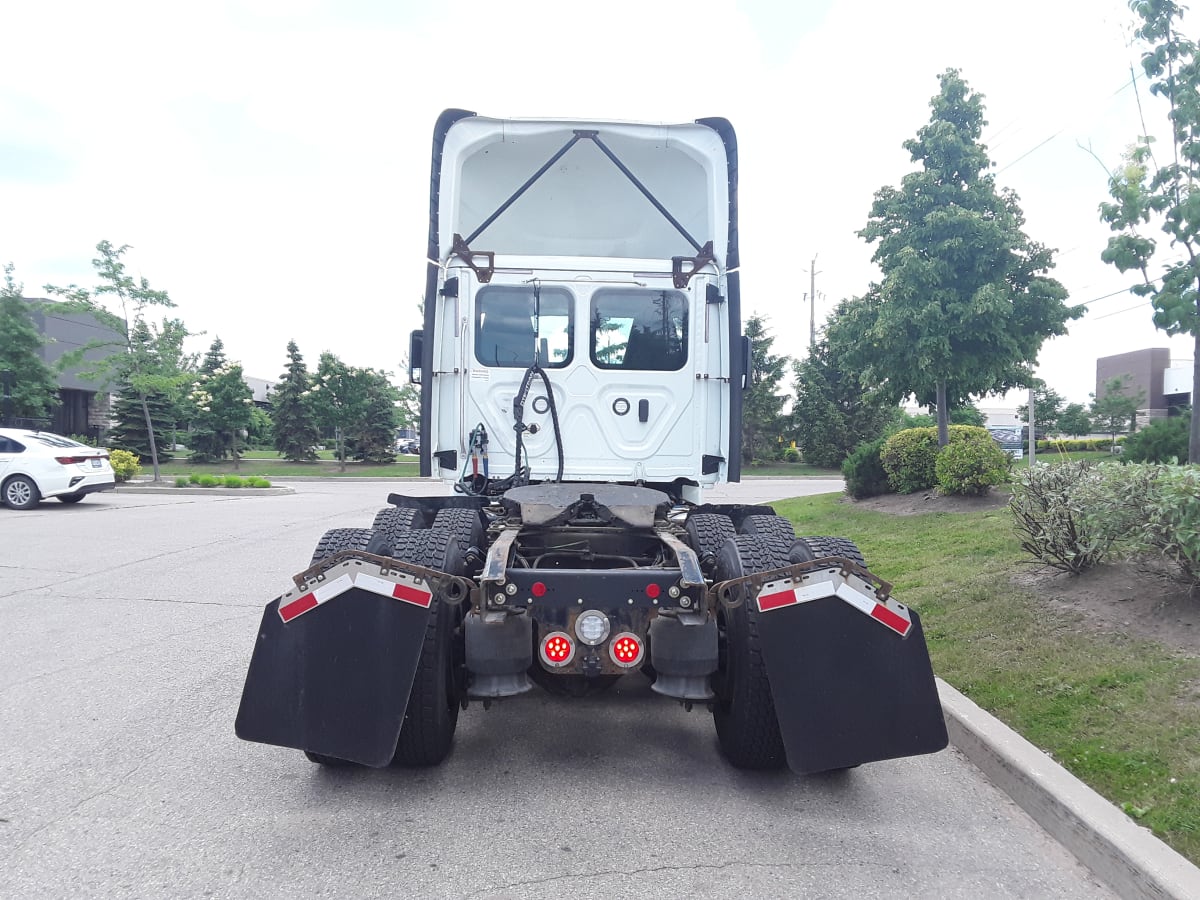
pixel 581 368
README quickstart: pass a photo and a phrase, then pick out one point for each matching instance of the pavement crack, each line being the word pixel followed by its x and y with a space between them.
pixel 95 795
pixel 691 867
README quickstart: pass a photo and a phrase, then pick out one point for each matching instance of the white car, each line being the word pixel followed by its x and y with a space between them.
pixel 36 465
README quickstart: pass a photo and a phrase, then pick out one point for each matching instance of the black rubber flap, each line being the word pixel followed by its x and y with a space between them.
pixel 336 679
pixel 848 690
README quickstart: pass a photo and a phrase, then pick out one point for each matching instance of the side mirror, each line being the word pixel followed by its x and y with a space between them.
pixel 416 346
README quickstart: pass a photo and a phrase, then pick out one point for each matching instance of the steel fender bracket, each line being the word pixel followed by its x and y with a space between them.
pixel 335 679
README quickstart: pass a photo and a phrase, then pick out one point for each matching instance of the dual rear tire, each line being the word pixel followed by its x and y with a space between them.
pixel 744 709
pixel 431 715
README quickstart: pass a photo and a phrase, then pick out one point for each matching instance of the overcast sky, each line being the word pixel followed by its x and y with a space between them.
pixel 268 160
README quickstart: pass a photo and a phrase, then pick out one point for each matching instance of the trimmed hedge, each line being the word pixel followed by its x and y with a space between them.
pixel 1067 444
pixel 910 457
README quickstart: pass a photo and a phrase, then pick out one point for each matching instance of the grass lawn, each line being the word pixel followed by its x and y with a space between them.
pixel 787 470
pixel 273 467
pixel 1121 714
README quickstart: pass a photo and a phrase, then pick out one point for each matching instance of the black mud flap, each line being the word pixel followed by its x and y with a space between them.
pixel 334 680
pixel 848 690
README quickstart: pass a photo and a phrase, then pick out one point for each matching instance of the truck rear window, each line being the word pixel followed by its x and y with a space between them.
pixel 639 329
pixel 504 327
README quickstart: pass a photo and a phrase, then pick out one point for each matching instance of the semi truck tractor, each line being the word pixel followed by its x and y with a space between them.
pixel 581 369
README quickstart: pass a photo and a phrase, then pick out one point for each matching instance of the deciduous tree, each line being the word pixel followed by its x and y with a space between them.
pixel 132 297
pixel 1166 192
pixel 965 302
pixel 1114 410
pixel 1074 420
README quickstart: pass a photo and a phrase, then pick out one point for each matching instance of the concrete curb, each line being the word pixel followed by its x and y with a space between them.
pixel 133 487
pixel 1127 857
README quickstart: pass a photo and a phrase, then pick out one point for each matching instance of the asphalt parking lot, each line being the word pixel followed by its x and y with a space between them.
pixel 126 624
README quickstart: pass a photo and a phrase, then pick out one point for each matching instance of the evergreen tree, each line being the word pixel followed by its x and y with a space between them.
pixel 833 414
pixel 203 441
pixel 222 402
pixel 762 405
pixel 296 433
pixel 34 389
pixel 965 303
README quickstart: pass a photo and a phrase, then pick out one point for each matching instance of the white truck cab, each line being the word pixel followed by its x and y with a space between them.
pixel 603 256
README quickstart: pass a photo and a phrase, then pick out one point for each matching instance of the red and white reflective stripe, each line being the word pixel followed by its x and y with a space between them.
pixel 402 590
pixel 779 594
pixel 896 619
pixel 314 598
pixel 790 596
pixel 405 590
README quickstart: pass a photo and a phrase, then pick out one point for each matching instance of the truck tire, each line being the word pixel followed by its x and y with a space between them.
pixel 393 521
pixel 707 532
pixel 744 710
pixel 770 526
pixel 338 539
pixel 331 542
pixel 431 717
pixel 832 546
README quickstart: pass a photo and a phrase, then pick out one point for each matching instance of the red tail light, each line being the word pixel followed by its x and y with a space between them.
pixel 79 460
pixel 626 650
pixel 557 649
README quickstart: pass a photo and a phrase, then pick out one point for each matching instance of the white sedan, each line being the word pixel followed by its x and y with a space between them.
pixel 37 464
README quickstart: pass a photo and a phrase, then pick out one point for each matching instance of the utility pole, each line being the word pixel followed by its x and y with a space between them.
pixel 812 309
pixel 1032 417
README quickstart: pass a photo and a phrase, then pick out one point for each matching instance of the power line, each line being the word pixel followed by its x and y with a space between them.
pixel 1124 86
pixel 1139 306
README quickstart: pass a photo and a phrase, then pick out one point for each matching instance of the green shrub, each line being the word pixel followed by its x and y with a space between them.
pixel 1163 441
pixel 1173 517
pixel 257 481
pixel 195 478
pixel 971 465
pixel 207 481
pixel 909 458
pixel 182 481
pixel 791 455
pixel 125 465
pixel 1053 516
pixel 863 471
pixel 233 481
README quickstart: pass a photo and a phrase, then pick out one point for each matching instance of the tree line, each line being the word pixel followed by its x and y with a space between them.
pixel 165 397
pixel 964 302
